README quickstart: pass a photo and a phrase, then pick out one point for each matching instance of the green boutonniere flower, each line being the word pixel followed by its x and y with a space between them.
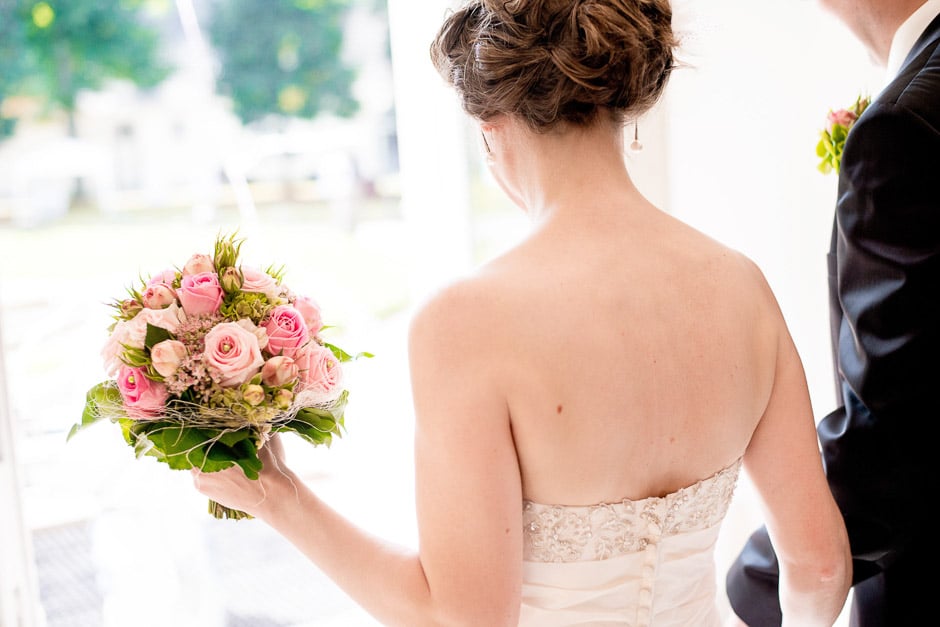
pixel 832 138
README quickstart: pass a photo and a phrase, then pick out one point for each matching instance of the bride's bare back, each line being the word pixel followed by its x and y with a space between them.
pixel 636 355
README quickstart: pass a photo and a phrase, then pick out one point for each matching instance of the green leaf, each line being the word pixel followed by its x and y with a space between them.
pixel 342 355
pixel 155 335
pixel 100 403
pixel 318 425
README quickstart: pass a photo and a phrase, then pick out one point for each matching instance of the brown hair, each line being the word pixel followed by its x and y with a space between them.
pixel 557 62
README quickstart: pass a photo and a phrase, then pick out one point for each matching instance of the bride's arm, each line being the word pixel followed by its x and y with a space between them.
pixel 468 491
pixel 803 520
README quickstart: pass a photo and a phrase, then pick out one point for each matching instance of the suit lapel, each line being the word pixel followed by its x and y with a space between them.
pixel 931 35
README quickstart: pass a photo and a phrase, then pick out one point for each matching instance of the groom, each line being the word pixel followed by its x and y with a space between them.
pixel 884 277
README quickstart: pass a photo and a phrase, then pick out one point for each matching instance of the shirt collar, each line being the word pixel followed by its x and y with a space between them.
pixel 908 34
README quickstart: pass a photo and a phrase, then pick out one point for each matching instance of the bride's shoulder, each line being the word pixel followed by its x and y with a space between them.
pixel 461 315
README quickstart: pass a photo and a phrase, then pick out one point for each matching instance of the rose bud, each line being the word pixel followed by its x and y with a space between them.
pixel 279 370
pixel 166 356
pixel 130 307
pixel 842 117
pixel 253 395
pixel 158 296
pixel 198 264
pixel 283 399
pixel 231 280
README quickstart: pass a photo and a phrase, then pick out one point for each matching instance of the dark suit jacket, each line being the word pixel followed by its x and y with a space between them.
pixel 884 276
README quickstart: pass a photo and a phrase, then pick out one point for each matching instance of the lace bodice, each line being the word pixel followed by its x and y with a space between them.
pixel 643 563
pixel 557 533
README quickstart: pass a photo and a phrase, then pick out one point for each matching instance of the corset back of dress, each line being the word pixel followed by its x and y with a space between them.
pixel 644 562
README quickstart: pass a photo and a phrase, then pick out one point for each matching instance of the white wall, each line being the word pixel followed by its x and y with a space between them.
pixel 743 122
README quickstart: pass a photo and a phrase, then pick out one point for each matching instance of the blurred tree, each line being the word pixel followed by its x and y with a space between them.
pixel 72 45
pixel 13 65
pixel 282 57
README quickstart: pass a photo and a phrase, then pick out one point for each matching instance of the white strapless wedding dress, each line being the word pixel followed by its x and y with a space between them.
pixel 633 563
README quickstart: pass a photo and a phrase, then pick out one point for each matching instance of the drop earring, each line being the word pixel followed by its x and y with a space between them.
pixel 486 145
pixel 637 145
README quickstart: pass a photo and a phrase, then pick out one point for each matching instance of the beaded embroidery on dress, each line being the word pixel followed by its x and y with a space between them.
pixel 648 562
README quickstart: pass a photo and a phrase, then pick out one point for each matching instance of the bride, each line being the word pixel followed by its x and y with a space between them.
pixel 584 402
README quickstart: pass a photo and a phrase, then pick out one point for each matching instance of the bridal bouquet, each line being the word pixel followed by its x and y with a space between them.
pixel 832 138
pixel 209 359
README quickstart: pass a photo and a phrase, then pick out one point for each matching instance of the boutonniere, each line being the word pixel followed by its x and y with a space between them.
pixel 832 138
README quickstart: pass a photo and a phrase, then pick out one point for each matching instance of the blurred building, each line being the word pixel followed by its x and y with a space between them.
pixel 180 145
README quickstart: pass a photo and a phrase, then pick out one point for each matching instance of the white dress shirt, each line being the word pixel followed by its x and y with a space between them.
pixel 908 34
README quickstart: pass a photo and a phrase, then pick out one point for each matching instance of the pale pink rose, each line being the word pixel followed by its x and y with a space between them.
pixel 310 310
pixel 287 331
pixel 167 277
pixel 143 398
pixel 166 356
pixel 233 352
pixel 842 117
pixel 198 264
pixel 200 293
pixel 260 282
pixel 259 332
pixel 278 371
pixel 168 318
pixel 321 373
pixel 158 296
pixel 112 350
pixel 133 332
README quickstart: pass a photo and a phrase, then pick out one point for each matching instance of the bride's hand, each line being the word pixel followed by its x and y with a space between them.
pixel 231 488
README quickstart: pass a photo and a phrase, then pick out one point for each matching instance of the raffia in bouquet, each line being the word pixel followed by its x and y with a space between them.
pixel 209 359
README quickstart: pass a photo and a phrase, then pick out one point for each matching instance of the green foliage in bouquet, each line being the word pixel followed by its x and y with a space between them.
pixel 182 396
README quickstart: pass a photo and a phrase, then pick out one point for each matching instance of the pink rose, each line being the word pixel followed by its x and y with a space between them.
pixel 309 309
pixel 233 352
pixel 133 333
pixel 200 293
pixel 258 332
pixel 167 277
pixel 321 373
pixel 166 356
pixel 258 282
pixel 143 398
pixel 158 296
pixel 198 264
pixel 287 331
pixel 278 371
pixel 842 117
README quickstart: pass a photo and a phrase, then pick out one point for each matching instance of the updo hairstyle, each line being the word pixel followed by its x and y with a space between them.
pixel 554 63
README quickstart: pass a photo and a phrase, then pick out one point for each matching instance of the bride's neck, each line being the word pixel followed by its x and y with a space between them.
pixel 580 171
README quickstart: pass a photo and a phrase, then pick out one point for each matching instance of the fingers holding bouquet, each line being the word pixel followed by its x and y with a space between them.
pixel 231 488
